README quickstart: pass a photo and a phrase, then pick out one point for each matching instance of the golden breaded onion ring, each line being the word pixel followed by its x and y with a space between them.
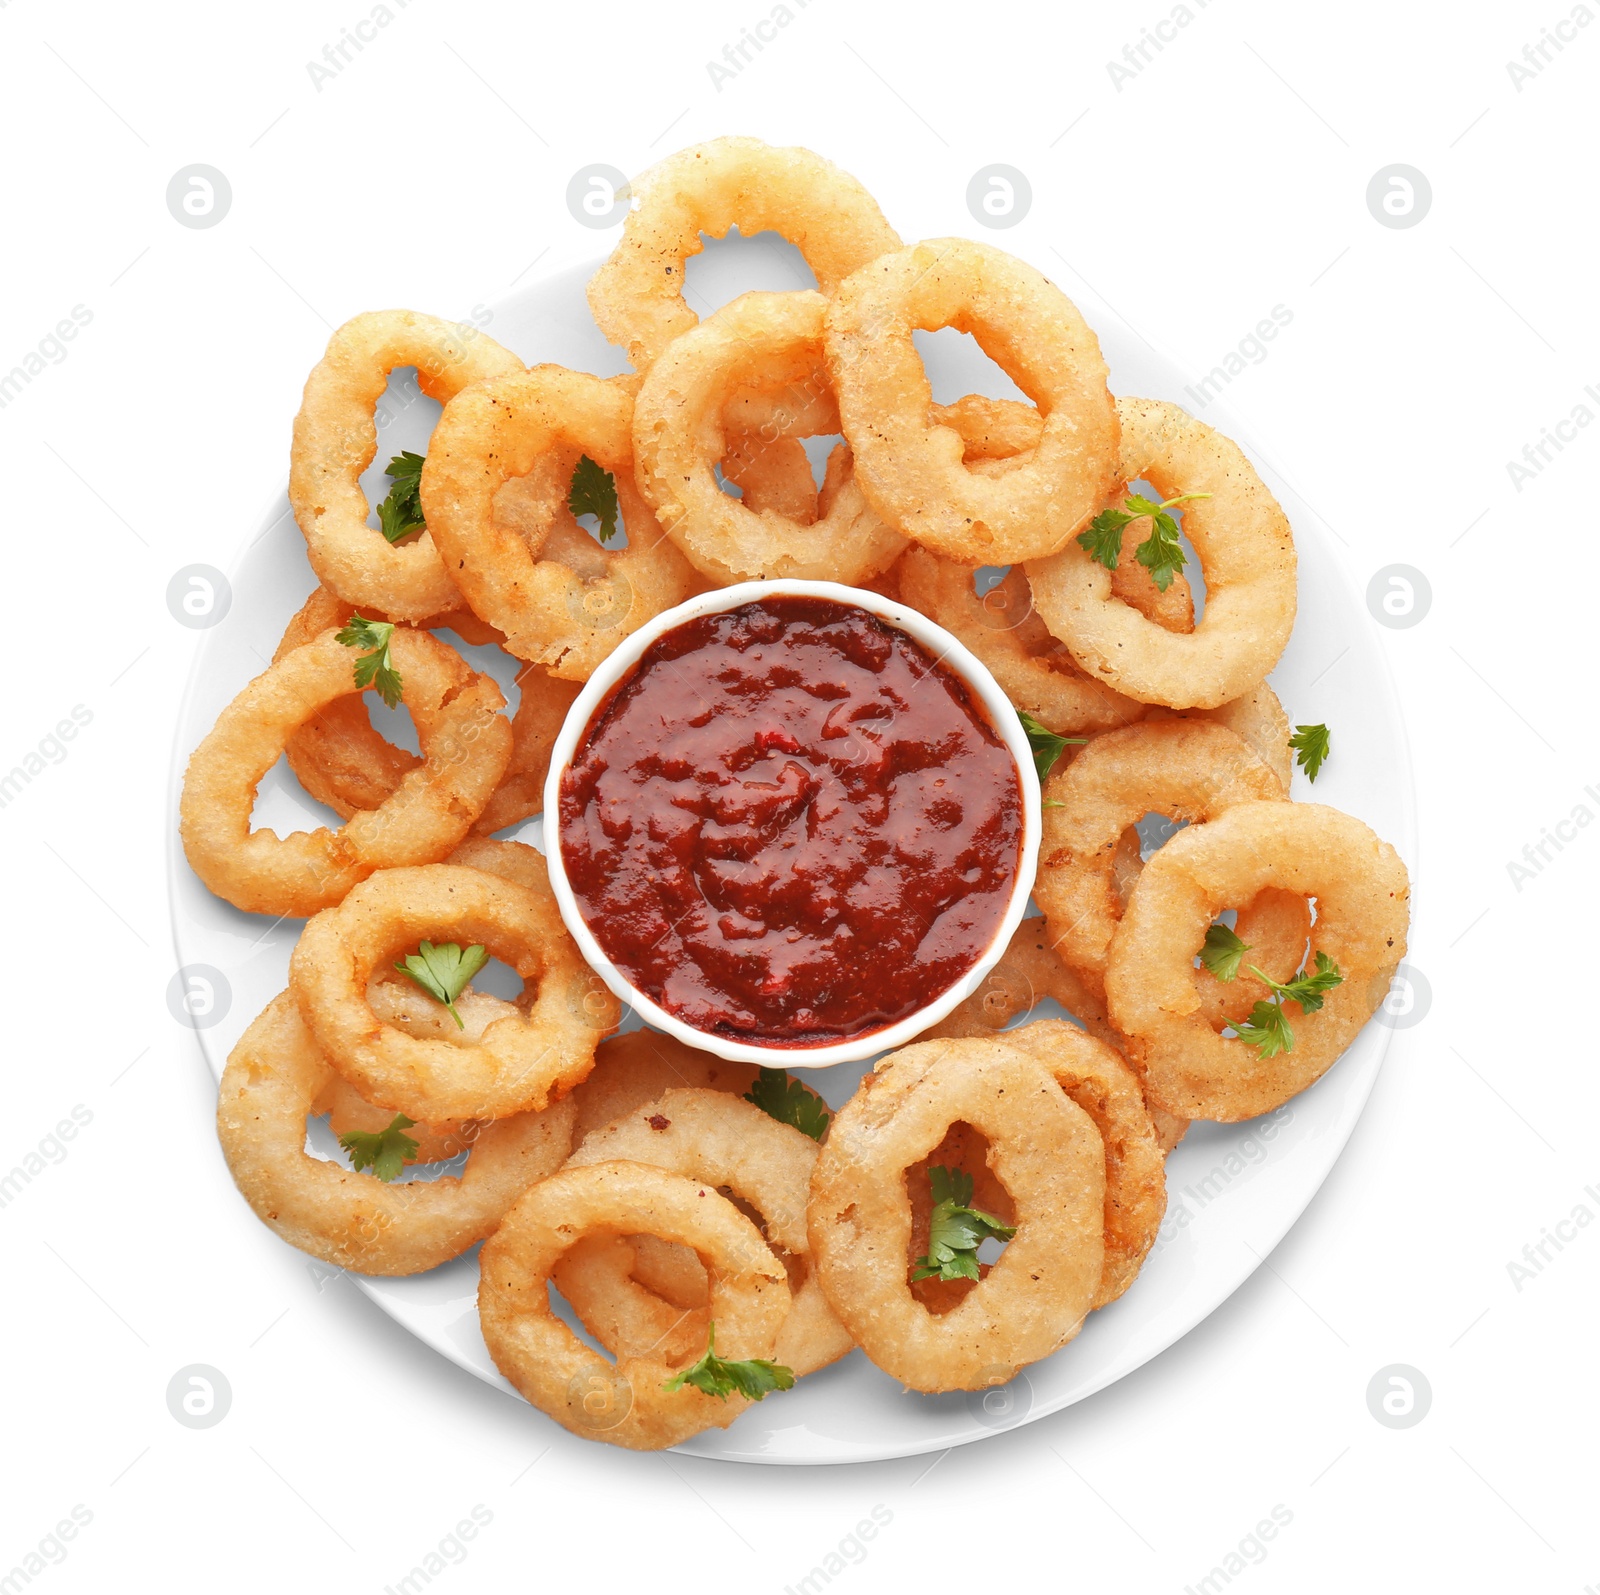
pixel 679 436
pixel 1362 897
pixel 1033 669
pixel 716 1137
pixel 909 464
pixel 335 439
pixel 1043 1148
pixel 1098 1079
pixel 539 423
pixel 466 743
pixel 343 761
pixel 1028 973
pixel 1187 771
pixel 521 1061
pixel 275 1076
pixel 637 295
pixel 639 1066
pixel 396 1001
pixel 1246 554
pixel 623 1403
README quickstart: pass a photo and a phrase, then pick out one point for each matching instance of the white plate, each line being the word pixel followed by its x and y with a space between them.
pixel 1234 1190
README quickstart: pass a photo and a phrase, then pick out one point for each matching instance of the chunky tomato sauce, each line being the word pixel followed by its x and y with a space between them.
pixel 790 824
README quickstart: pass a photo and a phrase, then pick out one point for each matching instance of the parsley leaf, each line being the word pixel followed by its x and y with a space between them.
pixel 956 1229
pixel 1047 746
pixel 1103 541
pixel 717 1376
pixel 780 1096
pixel 401 512
pixel 442 971
pixel 1307 990
pixel 1310 744
pixel 373 669
pixel 1222 952
pixel 1159 553
pixel 594 492
pixel 1267 1028
pixel 385 1152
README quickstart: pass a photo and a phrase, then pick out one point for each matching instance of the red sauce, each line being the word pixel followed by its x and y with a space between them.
pixel 791 824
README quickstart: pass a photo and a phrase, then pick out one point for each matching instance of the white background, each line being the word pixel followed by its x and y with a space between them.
pixel 1227 176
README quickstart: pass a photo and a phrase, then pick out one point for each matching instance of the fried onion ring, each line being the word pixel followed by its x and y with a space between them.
pixel 520 1062
pixel 1043 1148
pixel 539 423
pixel 274 1078
pixel 335 439
pixel 908 464
pixel 1029 972
pixel 1032 668
pixel 466 743
pixel 1186 771
pixel 636 1067
pixel 773 476
pixel 716 1137
pixel 1246 553
pixel 637 295
pixel 1097 1078
pixel 344 762
pixel 993 433
pixel 395 1001
pixel 1362 898
pixel 679 436
pixel 623 1403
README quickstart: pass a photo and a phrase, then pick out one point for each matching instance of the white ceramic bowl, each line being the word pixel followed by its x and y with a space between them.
pixel 950 653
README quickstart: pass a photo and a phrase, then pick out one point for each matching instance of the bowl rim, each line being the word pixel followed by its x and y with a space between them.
pixel 948 651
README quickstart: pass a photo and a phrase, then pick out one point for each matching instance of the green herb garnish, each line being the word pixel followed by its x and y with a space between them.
pixel 717 1376
pixel 443 971
pixel 955 1228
